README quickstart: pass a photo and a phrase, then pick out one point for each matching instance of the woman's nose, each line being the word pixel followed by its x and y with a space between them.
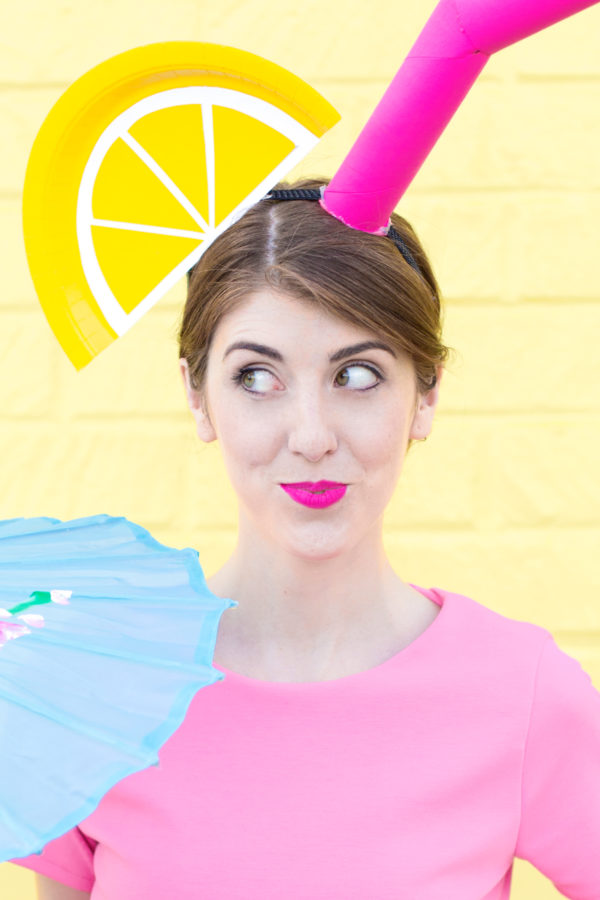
pixel 311 428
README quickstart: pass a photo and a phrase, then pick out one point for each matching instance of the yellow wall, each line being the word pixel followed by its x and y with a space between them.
pixel 503 502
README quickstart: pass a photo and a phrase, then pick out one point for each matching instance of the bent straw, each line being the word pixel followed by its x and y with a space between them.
pixel 454 46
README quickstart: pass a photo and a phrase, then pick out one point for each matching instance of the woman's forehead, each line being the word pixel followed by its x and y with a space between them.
pixel 268 315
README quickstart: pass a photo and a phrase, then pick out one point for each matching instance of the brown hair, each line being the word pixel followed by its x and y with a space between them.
pixel 295 247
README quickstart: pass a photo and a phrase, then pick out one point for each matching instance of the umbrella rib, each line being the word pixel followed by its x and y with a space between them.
pixel 56 715
pixel 194 669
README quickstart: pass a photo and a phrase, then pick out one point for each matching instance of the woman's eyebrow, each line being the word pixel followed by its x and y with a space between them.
pixel 336 357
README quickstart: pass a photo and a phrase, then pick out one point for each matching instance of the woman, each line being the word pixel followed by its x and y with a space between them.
pixel 318 598
pixel 371 738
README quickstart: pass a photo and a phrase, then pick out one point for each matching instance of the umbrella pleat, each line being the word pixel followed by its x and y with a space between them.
pixel 46 710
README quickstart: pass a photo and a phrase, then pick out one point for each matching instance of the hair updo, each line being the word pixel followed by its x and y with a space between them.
pixel 297 248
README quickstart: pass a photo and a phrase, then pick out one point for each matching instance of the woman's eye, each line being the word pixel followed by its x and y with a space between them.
pixel 251 379
pixel 365 381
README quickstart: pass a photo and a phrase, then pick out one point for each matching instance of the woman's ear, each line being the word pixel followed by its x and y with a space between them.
pixel 204 427
pixel 425 409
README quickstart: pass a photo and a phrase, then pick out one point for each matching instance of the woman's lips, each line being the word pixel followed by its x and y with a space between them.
pixel 315 494
pixel 315 485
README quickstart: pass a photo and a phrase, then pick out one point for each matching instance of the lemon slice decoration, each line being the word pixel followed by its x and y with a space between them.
pixel 140 165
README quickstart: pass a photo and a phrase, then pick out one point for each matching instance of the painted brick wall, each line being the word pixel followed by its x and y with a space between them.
pixel 503 502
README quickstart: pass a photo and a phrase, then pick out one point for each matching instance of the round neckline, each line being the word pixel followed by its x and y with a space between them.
pixel 435 594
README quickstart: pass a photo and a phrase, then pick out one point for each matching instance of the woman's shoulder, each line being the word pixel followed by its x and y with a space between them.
pixel 512 664
pixel 483 631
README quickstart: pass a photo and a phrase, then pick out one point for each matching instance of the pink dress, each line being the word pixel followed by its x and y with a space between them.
pixel 419 779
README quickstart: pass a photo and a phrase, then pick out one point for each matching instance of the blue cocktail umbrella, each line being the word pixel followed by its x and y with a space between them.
pixel 105 637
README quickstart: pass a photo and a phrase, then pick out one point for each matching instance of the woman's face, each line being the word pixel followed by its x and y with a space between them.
pixel 290 412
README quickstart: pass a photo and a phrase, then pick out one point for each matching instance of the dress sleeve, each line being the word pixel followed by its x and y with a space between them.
pixel 560 815
pixel 68 859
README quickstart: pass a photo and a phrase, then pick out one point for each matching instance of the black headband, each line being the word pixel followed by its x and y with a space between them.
pixel 310 194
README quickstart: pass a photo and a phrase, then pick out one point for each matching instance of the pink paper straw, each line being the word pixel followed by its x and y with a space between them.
pixel 446 59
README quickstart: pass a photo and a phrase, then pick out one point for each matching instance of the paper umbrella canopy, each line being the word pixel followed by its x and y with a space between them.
pixel 105 637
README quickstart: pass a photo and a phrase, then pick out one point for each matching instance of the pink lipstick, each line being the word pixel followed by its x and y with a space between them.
pixel 317 495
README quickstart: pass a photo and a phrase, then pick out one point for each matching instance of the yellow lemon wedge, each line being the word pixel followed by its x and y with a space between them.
pixel 141 164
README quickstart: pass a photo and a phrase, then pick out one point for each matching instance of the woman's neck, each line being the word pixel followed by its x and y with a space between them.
pixel 309 619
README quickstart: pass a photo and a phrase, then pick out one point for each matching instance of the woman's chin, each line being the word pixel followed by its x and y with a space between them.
pixel 316 543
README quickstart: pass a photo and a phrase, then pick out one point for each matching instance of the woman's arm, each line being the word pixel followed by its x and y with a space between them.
pixel 48 889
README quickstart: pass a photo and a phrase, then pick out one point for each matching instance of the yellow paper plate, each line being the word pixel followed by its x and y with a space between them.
pixel 139 166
